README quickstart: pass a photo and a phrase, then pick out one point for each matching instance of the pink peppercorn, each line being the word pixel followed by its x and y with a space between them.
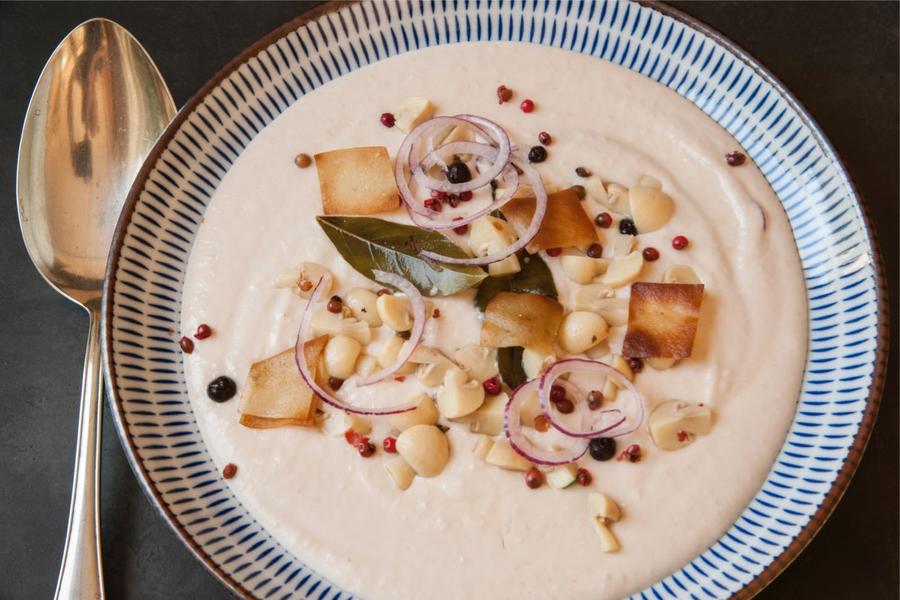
pixel 492 385
pixel 650 254
pixel 583 477
pixel 632 453
pixel 679 242
pixel 534 479
pixel 603 220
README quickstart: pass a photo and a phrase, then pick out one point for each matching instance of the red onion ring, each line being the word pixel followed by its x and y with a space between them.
pixel 321 290
pixel 525 237
pixel 570 365
pixel 573 391
pixel 497 135
pixel 418 310
pixel 501 158
pixel 512 426
pixel 449 123
pixel 406 156
pixel 432 225
pixel 434 157
pixel 405 160
pixel 466 122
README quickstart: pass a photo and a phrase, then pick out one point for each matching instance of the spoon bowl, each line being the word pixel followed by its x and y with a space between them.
pixel 97 109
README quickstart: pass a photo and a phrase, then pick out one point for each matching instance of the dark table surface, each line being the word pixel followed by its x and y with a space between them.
pixel 840 59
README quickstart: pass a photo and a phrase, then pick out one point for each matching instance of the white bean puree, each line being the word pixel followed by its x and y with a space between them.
pixel 476 531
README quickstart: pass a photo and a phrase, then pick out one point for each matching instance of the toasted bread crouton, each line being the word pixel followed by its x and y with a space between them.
pixel 276 394
pixel 528 320
pixel 357 181
pixel 565 225
pixel 662 319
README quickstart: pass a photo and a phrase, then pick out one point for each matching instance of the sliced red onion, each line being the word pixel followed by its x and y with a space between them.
pixel 497 135
pixel 501 161
pixel 509 192
pixel 525 237
pixel 405 160
pixel 600 424
pixel 468 122
pixel 418 328
pixel 433 157
pixel 512 425
pixel 586 416
pixel 436 126
pixel 407 155
pixel 321 290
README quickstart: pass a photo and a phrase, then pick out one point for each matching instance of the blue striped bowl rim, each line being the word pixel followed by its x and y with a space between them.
pixel 844 276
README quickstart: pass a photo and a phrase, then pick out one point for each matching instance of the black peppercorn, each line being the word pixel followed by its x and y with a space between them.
pixel 595 251
pixel 458 172
pixel 221 389
pixel 582 172
pixel 602 448
pixel 626 227
pixel 537 154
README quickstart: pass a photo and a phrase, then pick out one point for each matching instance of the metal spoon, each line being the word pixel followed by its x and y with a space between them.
pixel 98 107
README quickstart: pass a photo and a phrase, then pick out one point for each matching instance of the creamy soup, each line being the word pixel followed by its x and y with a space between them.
pixel 476 531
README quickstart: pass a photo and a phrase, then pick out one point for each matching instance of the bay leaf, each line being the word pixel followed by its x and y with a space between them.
pixel 368 244
pixel 509 361
pixel 534 278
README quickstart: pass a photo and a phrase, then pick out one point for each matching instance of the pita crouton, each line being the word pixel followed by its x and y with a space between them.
pixel 276 394
pixel 565 225
pixel 662 319
pixel 357 181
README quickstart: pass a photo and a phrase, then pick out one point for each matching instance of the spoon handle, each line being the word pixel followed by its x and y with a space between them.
pixel 81 573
